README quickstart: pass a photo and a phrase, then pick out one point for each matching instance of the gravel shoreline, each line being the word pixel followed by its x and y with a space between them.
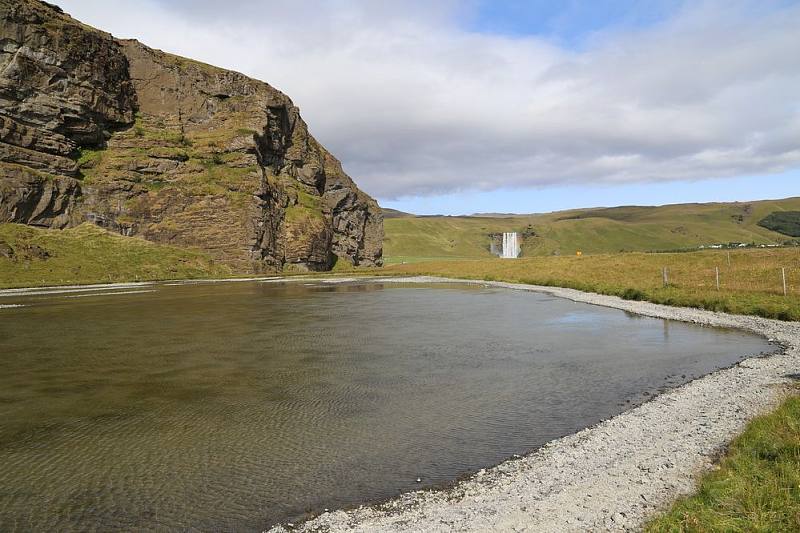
pixel 612 476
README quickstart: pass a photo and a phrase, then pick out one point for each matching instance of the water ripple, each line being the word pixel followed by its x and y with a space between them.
pixel 232 406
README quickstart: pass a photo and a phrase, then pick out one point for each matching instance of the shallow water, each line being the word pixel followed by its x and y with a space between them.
pixel 233 406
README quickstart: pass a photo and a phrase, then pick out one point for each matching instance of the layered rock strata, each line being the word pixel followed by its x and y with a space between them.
pixel 149 144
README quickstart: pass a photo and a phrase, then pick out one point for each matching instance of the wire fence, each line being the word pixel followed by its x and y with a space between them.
pixel 765 279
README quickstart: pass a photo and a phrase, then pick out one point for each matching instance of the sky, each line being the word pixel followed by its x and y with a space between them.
pixel 457 107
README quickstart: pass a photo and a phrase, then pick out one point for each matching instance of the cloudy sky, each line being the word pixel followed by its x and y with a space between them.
pixel 478 105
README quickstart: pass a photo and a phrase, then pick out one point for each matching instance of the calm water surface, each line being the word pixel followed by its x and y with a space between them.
pixel 232 406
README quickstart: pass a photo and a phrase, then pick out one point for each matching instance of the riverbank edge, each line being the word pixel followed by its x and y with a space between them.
pixel 613 476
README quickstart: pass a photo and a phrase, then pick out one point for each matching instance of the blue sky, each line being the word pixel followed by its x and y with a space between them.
pixel 570 22
pixel 543 200
pixel 462 106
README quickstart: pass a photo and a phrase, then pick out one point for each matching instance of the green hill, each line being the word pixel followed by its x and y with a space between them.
pixel 32 257
pixel 394 213
pixel 591 231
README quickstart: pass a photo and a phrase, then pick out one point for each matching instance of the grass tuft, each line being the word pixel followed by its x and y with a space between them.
pixel 633 294
pixel 755 488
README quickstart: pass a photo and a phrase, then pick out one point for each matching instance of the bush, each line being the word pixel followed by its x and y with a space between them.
pixel 633 294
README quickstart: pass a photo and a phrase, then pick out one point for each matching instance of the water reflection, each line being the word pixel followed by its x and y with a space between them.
pixel 233 406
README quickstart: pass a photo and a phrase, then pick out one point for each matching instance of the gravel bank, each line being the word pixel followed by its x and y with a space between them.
pixel 610 477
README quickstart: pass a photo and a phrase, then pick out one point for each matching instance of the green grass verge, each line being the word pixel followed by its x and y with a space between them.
pixel 405 259
pixel 756 486
pixel 89 254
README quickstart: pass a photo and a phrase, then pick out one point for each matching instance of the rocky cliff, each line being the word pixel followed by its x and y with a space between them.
pixel 149 144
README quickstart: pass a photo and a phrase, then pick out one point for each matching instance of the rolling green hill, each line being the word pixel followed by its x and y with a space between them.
pixel 31 257
pixel 592 231
pixel 394 213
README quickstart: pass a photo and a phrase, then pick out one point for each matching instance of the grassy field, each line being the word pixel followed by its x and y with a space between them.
pixel 89 254
pixel 750 280
pixel 755 488
pixel 592 231
pixel 752 283
pixel 757 484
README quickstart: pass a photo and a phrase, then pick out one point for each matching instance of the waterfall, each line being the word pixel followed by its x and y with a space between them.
pixel 510 246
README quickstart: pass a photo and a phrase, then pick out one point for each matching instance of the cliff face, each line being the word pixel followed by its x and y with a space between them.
pixel 146 143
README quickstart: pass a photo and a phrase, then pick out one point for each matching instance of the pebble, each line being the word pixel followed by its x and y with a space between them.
pixel 671 437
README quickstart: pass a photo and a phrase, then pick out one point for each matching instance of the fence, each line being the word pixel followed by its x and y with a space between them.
pixel 751 278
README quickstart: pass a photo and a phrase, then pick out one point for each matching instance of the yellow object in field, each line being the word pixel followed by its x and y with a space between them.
pixel 579 253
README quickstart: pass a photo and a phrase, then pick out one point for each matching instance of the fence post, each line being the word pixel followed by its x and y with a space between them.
pixel 717 272
pixel 666 277
pixel 783 274
pixel 729 258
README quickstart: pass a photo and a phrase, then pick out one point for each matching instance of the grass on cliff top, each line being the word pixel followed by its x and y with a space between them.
pixel 756 486
pixel 89 254
pixel 751 284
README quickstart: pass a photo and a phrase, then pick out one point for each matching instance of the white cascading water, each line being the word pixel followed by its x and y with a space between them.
pixel 510 247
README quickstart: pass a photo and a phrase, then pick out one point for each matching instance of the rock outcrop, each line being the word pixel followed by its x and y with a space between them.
pixel 149 144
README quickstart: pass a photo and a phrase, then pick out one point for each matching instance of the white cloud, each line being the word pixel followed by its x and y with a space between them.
pixel 412 103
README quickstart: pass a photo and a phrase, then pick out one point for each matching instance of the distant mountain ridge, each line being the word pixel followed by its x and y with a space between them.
pixel 394 213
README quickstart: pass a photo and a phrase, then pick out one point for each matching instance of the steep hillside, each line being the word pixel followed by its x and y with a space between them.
pixel 148 144
pixel 31 256
pixel 604 230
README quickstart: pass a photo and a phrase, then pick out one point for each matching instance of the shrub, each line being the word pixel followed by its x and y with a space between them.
pixel 633 294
